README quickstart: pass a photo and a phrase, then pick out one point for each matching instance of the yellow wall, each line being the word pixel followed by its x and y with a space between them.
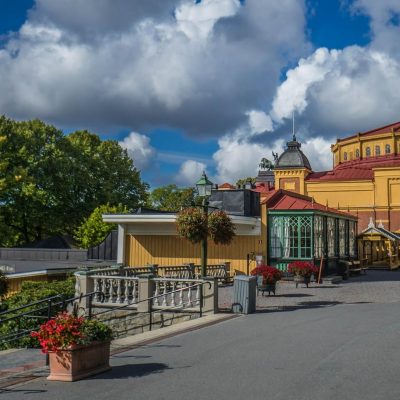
pixel 291 179
pixel 361 142
pixel 173 250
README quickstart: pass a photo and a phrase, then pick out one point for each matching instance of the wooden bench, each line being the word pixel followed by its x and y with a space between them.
pixel 356 266
pixel 219 271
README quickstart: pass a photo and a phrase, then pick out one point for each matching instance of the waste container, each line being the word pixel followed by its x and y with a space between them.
pixel 244 294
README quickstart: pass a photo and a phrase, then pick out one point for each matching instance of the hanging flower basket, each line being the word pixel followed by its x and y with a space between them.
pixel 193 225
pixel 220 228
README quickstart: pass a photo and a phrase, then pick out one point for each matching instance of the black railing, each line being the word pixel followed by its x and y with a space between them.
pixel 42 310
pixel 149 300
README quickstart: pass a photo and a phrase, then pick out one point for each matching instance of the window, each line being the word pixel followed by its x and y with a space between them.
pixel 331 236
pixel 276 237
pixel 387 149
pixel 377 151
pixel 368 151
pixel 291 237
pixel 345 156
pixel 352 238
pixel 318 236
pixel 357 153
pixel 342 237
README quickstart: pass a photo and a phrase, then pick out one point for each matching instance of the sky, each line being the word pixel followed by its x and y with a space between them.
pixel 187 86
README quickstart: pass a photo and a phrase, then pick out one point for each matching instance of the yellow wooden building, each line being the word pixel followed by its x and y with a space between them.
pixel 289 227
pixel 365 178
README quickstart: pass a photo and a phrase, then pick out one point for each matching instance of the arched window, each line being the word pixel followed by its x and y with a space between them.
pixel 368 151
pixel 387 149
pixel 377 151
pixel 357 153
pixel 345 156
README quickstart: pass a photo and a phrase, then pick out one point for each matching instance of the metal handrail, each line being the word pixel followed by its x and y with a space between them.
pixel 50 307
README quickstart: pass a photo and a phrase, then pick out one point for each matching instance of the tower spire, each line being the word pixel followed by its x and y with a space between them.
pixel 294 136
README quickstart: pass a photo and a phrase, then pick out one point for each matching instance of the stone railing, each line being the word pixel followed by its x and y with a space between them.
pixel 147 293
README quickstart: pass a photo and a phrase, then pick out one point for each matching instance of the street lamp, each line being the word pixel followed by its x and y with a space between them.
pixel 204 187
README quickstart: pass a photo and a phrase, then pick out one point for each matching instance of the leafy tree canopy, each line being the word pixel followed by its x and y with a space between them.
pixel 93 229
pixel 50 182
pixel 171 198
pixel 241 182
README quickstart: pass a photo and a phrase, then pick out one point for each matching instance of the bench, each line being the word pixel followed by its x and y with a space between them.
pixel 219 271
pixel 356 266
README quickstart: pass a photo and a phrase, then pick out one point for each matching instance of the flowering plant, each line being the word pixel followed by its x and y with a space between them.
pixel 302 268
pixel 270 274
pixel 66 330
pixel 194 225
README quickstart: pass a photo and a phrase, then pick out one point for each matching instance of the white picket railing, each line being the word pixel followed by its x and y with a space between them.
pixel 116 290
pixel 176 293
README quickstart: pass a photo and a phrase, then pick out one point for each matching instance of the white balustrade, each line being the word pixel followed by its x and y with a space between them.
pixel 116 290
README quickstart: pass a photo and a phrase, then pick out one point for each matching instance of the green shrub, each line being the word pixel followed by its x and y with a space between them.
pixel 31 292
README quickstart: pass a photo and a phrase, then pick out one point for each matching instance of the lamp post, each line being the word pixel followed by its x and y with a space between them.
pixel 204 187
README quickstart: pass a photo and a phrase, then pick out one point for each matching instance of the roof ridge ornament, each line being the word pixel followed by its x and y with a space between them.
pixel 371 223
pixel 381 225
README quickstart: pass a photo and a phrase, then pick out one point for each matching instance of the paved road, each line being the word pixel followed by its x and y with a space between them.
pixel 342 351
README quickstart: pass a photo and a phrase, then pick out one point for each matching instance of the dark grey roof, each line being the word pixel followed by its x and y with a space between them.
pixel 293 157
pixel 265 176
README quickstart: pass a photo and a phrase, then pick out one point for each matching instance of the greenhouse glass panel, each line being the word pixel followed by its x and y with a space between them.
pixel 318 236
pixel 342 237
pixel 331 236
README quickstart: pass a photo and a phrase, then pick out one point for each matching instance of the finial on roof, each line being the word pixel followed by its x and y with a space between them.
pixel 381 225
pixel 294 136
pixel 371 223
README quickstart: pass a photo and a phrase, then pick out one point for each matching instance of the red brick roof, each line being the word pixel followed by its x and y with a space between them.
pixel 226 185
pixel 356 169
pixel 284 200
pixel 384 129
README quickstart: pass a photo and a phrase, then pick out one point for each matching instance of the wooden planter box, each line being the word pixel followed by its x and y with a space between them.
pixel 79 362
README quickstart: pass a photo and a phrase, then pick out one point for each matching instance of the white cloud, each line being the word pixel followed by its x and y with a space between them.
pixel 111 64
pixel 139 149
pixel 318 152
pixel 190 172
pixel 259 121
pixel 197 20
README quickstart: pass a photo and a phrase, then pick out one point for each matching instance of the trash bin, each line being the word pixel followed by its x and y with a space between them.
pixel 244 294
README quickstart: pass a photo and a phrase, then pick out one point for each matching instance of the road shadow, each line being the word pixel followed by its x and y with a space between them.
pixel 22 391
pixel 132 371
pixel 300 306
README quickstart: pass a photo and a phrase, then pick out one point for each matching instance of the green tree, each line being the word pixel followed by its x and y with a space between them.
pixel 171 198
pixel 241 182
pixel 93 230
pixel 50 182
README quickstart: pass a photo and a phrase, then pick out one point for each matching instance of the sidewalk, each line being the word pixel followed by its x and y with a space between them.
pixel 21 365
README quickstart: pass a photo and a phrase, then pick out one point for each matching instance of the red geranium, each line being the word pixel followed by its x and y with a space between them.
pixel 270 274
pixel 302 268
pixel 66 330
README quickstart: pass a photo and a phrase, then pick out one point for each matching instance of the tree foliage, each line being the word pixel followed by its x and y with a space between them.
pixel 171 198
pixel 241 182
pixel 50 182
pixel 94 230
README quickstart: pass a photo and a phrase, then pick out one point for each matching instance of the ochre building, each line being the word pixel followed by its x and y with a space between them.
pixel 365 179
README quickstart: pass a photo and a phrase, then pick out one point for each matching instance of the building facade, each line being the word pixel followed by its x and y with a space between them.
pixel 365 179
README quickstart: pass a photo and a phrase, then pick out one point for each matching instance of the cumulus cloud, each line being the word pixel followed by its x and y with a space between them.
pixel 111 64
pixel 139 149
pixel 190 172
pixel 337 92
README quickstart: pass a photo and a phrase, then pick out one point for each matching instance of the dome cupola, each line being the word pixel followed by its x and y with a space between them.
pixel 293 157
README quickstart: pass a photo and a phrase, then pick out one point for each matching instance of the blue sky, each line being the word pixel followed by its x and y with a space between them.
pixel 187 86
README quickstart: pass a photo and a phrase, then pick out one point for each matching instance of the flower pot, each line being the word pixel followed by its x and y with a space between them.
pixel 301 279
pixel 79 361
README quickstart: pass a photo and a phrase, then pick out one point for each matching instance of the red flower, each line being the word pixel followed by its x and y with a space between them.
pixel 302 268
pixel 269 274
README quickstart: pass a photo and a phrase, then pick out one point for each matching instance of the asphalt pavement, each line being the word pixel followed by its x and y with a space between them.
pixel 335 352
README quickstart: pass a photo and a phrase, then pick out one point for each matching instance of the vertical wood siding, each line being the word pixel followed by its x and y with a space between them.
pixel 173 250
